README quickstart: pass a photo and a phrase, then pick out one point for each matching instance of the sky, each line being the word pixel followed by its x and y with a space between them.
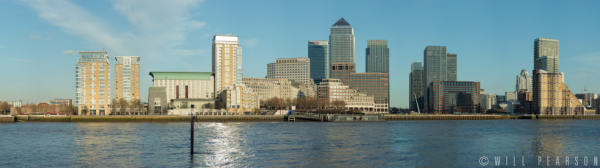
pixel 40 39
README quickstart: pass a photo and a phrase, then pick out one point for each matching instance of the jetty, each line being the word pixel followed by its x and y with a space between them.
pixel 333 117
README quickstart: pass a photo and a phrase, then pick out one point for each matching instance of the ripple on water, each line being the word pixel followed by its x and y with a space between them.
pixel 281 144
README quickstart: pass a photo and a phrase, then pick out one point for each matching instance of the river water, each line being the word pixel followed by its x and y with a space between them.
pixel 474 143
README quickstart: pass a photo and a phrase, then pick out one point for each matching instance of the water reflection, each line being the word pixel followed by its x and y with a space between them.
pixel 106 145
pixel 550 139
pixel 220 144
pixel 301 144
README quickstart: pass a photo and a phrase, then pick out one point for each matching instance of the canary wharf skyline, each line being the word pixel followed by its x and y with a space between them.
pixel 493 40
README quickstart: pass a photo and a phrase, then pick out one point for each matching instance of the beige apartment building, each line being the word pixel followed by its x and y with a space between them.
pixel 297 69
pixel 239 99
pixel 226 62
pixel 93 83
pixel 278 88
pixel 334 90
pixel 552 97
pixel 127 78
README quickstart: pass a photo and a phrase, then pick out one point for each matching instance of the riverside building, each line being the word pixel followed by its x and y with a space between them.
pixel 127 78
pixel 184 85
pixel 552 97
pixel 331 90
pixel 226 62
pixel 92 95
pixel 296 69
pixel 278 88
pixel 448 97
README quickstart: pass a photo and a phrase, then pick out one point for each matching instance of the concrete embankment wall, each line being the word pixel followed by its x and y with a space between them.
pixel 245 118
pixel 489 117
pixel 7 119
pixel 145 118
pixel 448 117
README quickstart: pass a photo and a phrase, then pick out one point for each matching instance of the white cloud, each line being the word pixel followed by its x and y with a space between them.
pixel 158 26
pixel 76 21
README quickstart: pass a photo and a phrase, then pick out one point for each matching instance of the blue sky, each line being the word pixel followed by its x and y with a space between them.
pixel 493 39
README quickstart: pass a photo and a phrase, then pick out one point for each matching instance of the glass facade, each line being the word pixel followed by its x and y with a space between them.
pixel 454 96
pixel 439 66
pixel 377 56
pixel 341 42
pixel 451 67
pixel 416 87
pixel 546 55
pixel 318 52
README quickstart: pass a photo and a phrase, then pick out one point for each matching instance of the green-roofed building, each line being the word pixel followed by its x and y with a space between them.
pixel 185 85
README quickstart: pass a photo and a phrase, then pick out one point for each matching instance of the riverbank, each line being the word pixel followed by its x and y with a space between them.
pixel 253 118
pixel 389 117
pixel 144 118
pixel 7 119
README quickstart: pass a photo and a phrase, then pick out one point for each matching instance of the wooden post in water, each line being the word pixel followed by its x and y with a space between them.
pixel 192 130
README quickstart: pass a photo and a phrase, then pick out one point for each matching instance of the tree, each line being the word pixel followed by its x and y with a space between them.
pixel 208 106
pixel 85 110
pixel 68 109
pixel 219 104
pixel 4 107
pixel 123 105
pixel 136 105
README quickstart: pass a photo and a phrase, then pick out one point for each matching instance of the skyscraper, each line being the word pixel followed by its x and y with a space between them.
pixel 226 62
pixel 435 68
pixel 93 83
pixel 523 81
pixel 341 42
pixel 439 66
pixel 343 67
pixel 318 52
pixel 377 56
pixel 546 55
pixel 296 69
pixel 451 65
pixel 127 78
pixel 416 87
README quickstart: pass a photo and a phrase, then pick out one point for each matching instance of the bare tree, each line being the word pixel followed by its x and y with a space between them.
pixel 4 107
pixel 208 106
pixel 123 105
pixel 136 105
